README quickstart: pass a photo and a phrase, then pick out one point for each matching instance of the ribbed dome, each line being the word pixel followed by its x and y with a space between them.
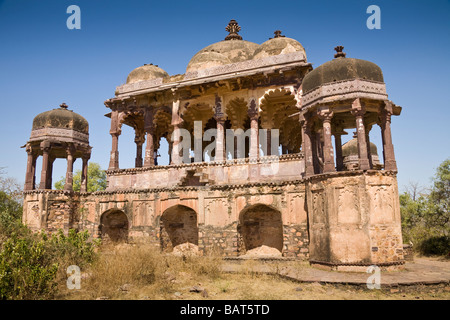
pixel 350 148
pixel 221 53
pixel 61 118
pixel 341 69
pixel 276 46
pixel 146 72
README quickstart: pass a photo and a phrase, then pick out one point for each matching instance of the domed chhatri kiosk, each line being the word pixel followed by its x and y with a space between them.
pixel 58 133
pixel 253 170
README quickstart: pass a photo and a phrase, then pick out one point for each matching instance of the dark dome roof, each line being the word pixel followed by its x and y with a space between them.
pixel 146 72
pixel 341 69
pixel 61 118
pixel 350 148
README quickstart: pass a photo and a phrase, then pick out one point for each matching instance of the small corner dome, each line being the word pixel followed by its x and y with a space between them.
pixel 221 53
pixel 61 118
pixel 350 148
pixel 342 69
pixel 146 72
pixel 278 45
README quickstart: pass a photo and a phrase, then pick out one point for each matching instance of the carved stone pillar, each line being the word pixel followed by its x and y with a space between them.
pixel 51 160
pixel 388 147
pixel 358 111
pixel 220 142
pixel 84 174
pixel 139 140
pixel 45 147
pixel 307 147
pixel 328 153
pixel 369 151
pixel 254 130
pixel 338 145
pixel 149 160
pixel 68 186
pixel 115 133
pixel 31 169
pixel 269 143
pixel 176 143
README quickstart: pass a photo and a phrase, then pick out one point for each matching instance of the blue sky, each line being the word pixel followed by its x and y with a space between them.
pixel 42 63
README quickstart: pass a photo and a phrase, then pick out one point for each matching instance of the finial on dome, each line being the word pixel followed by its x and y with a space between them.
pixel 277 34
pixel 233 28
pixel 63 105
pixel 339 53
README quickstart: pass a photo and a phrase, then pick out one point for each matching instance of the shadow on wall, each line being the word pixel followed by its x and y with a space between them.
pixel 178 226
pixel 261 225
pixel 114 226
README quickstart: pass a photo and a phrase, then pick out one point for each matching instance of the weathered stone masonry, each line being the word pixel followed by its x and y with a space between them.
pixel 278 184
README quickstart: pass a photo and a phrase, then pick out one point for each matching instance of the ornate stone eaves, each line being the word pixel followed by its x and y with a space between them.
pixel 63 135
pixel 343 90
pixel 228 71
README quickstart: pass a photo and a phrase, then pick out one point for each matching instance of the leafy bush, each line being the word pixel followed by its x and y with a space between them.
pixel 436 246
pixel 25 270
pixel 426 218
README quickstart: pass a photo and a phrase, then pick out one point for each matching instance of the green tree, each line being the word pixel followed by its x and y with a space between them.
pixel 96 179
pixel 426 217
pixel 439 198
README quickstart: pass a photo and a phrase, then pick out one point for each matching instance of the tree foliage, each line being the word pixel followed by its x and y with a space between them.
pixel 426 217
pixel 96 179
pixel 32 264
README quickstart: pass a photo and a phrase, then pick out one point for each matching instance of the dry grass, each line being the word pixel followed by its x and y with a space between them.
pixel 142 272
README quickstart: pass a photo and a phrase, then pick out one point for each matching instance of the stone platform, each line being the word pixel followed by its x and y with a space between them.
pixel 422 271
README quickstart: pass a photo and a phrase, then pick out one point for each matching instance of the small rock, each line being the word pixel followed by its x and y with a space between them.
pixel 298 289
pixel 178 294
pixel 102 298
pixel 196 289
pixel 205 293
pixel 125 287
pixel 395 290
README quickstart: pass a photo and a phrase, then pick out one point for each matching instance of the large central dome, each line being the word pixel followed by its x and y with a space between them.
pixel 232 49
pixel 221 53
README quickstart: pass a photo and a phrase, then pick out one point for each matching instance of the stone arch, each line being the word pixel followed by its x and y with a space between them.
pixel 114 226
pixel 278 109
pixel 178 226
pixel 260 225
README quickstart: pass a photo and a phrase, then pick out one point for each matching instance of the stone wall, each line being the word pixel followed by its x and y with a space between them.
pixel 341 220
pixel 354 219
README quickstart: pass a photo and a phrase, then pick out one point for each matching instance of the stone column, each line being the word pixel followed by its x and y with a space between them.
pixel 115 132
pixel 84 174
pixel 51 160
pixel 369 152
pixel 45 147
pixel 388 148
pixel 269 143
pixel 328 152
pixel 358 111
pixel 176 143
pixel 307 146
pixel 220 142
pixel 338 145
pixel 254 130
pixel 68 186
pixel 339 158
pixel 31 164
pixel 149 160
pixel 139 139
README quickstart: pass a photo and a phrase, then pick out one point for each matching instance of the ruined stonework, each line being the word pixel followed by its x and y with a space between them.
pixel 253 171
